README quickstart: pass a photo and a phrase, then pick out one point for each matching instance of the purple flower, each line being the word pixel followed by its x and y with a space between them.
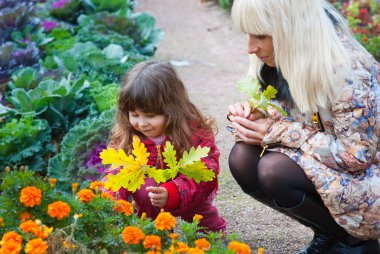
pixel 49 25
pixel 60 4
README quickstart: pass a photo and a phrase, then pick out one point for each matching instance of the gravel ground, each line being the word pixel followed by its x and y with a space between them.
pixel 210 56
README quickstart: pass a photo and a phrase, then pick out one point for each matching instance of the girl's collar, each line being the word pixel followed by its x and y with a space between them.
pixel 158 140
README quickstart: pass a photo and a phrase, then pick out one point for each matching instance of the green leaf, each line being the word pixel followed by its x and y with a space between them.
pixel 157 174
pixel 170 155
pixel 198 171
pixel 193 155
pixel 248 86
pixel 270 92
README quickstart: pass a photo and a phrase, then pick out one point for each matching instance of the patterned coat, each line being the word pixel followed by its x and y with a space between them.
pixel 343 162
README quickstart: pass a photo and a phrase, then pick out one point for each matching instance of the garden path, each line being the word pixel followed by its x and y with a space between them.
pixel 210 56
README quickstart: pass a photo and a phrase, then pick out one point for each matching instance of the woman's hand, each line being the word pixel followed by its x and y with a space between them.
pixel 251 132
pixel 158 196
pixel 241 109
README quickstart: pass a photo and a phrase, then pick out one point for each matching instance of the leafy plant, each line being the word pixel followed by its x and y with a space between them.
pixel 76 160
pixel 134 168
pixel 258 99
pixel 25 141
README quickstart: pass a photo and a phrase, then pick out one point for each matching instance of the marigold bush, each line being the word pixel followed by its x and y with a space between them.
pixel 48 221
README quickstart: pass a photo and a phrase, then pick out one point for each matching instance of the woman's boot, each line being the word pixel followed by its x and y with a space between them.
pixel 316 213
pixel 321 242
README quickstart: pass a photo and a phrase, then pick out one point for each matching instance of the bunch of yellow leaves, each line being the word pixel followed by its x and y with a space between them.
pixel 134 167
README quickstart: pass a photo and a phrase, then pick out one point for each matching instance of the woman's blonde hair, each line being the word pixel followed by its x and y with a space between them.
pixel 154 87
pixel 307 47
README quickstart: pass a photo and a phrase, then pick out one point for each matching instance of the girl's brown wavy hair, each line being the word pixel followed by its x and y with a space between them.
pixel 154 87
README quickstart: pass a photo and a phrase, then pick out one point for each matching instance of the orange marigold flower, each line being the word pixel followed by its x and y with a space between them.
pixel 53 182
pixel 152 242
pixel 132 235
pixel 59 210
pixel 124 207
pixel 239 248
pixel 86 195
pixel 2 222
pixel 96 185
pixel 202 244
pixel 154 252
pixel 181 247
pixel 260 250
pixel 74 187
pixel 107 195
pixel 31 227
pixel 195 251
pixel 165 221
pixel 197 217
pixel 36 246
pixel 11 243
pixel 174 236
pixel 24 216
pixel 31 196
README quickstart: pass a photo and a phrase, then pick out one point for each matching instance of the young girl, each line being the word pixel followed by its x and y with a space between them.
pixel 154 105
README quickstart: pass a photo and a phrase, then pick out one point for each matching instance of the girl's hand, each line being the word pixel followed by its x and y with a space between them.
pixel 251 131
pixel 158 196
pixel 243 109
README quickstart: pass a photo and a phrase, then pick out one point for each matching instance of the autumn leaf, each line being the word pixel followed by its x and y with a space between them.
pixel 134 168
pixel 190 164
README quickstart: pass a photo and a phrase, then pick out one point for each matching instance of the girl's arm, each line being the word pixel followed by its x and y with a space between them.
pixel 354 144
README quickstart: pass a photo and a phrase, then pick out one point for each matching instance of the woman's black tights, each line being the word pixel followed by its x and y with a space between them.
pixel 275 173
pixel 277 181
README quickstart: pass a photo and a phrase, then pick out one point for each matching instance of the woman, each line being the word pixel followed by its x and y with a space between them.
pixel 321 163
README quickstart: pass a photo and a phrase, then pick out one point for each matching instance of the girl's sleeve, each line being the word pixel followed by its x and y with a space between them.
pixel 192 193
pixel 354 143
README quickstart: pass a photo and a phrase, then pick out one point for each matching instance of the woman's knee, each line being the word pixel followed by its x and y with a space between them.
pixel 241 154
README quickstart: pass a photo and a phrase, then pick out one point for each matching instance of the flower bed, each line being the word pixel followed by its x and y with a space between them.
pixel 36 218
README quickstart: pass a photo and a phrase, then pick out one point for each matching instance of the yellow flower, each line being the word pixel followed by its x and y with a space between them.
pixel 11 243
pixel 239 248
pixel 74 187
pixel 53 182
pixel 165 221
pixel 195 251
pixel 143 216
pixel 36 246
pixel 181 247
pixel 152 242
pixel 202 244
pixel 124 207
pixel 86 195
pixel 59 210
pixel 96 185
pixel 24 216
pixel 174 236
pixel 260 250
pixel 132 235
pixel 197 217
pixel 31 196
pixel 77 216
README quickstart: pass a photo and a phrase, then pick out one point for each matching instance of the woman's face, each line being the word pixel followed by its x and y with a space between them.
pixel 262 46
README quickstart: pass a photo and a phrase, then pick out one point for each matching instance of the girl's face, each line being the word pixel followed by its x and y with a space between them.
pixel 150 124
pixel 262 46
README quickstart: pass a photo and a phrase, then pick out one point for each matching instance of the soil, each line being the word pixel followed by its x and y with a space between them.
pixel 210 55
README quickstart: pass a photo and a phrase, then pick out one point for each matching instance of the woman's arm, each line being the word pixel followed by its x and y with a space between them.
pixel 354 143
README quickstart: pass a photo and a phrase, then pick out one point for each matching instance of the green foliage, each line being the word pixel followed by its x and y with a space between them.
pixel 57 102
pixel 70 163
pixel 25 141
pixel 258 99
pixel 110 5
pixel 105 96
